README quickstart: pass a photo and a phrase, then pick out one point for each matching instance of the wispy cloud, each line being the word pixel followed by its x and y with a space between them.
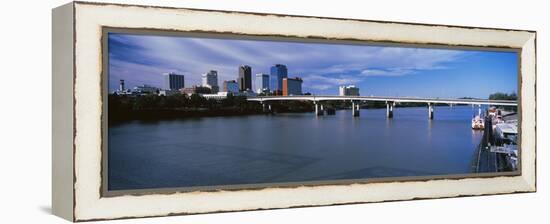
pixel 142 59
pixel 386 72
pixel 320 82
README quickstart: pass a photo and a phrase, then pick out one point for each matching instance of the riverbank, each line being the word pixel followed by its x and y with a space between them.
pixel 122 108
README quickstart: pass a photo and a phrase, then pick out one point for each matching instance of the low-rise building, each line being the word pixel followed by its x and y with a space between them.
pixel 231 86
pixel 217 96
pixel 122 89
pixel 145 89
pixel 196 90
pixel 349 90
pixel 168 92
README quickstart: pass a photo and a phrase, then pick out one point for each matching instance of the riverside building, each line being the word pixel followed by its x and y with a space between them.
pixel 292 86
pixel 245 78
pixel 230 86
pixel 173 81
pixel 349 90
pixel 210 80
pixel 278 73
pixel 262 83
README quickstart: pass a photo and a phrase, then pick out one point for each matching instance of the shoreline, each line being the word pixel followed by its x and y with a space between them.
pixel 193 113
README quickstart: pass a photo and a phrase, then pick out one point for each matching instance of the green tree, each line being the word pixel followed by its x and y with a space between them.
pixel 197 100
pixel 503 96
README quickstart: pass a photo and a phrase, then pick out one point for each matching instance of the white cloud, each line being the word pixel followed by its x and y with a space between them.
pixel 387 72
pixel 340 80
pixel 321 68
pixel 321 86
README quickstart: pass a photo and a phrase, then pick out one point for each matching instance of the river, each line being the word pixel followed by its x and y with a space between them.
pixel 292 147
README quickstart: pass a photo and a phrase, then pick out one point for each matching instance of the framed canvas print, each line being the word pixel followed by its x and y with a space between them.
pixel 169 111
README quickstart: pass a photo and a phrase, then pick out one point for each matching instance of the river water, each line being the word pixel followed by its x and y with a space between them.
pixel 294 147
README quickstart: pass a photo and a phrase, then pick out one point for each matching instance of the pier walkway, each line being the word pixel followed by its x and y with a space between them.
pixel 485 160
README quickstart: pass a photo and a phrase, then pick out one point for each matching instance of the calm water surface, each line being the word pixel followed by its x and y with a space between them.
pixel 290 147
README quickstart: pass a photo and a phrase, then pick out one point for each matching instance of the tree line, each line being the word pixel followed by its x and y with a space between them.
pixel 503 96
pixel 155 107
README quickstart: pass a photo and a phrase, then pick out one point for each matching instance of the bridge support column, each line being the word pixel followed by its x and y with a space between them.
pixel 355 109
pixel 430 111
pixel 319 109
pixel 266 107
pixel 478 110
pixel 389 109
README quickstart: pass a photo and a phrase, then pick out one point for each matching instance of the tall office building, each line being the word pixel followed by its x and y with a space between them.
pixel 245 78
pixel 278 73
pixel 350 90
pixel 173 81
pixel 210 80
pixel 262 83
pixel 292 86
pixel 230 86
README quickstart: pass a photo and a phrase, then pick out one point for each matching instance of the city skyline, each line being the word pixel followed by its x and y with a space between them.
pixel 375 70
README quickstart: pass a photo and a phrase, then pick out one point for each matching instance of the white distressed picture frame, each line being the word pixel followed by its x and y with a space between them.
pixel 77 110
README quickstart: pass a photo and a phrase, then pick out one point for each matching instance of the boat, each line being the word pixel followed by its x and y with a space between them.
pixel 506 135
pixel 492 111
pixel 477 122
pixel 506 132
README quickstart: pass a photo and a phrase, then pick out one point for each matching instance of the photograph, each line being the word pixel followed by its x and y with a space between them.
pixel 205 110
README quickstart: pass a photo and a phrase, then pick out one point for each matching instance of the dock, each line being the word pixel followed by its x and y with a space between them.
pixel 489 157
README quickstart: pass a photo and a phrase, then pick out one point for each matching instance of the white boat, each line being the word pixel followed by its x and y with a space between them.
pixel 506 132
pixel 477 122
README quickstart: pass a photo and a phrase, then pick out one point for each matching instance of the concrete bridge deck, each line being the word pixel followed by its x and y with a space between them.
pixel 319 98
pixel 390 102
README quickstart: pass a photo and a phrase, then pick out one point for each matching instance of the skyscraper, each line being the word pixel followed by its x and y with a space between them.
pixel 292 86
pixel 245 78
pixel 262 83
pixel 173 81
pixel 210 80
pixel 278 72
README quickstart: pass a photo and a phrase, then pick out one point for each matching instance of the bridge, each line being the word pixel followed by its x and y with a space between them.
pixel 390 102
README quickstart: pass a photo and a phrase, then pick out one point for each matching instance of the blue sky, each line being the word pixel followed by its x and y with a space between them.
pixel 376 70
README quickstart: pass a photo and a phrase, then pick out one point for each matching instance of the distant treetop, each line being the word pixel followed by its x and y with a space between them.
pixel 503 96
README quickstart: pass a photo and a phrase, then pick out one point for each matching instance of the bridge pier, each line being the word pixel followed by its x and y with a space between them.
pixel 266 107
pixel 355 109
pixel 319 109
pixel 389 109
pixel 478 109
pixel 430 111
